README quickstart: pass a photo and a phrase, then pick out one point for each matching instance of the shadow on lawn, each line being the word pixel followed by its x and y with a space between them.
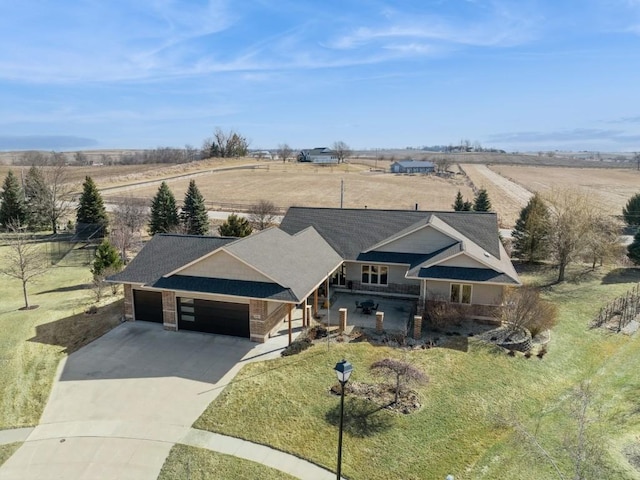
pixel 361 417
pixel 622 275
pixel 72 288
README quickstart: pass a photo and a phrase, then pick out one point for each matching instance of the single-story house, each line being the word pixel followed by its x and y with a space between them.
pixel 247 286
pixel 413 166
pixel 319 155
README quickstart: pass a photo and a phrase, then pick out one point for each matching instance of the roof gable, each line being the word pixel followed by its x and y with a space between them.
pixel 222 264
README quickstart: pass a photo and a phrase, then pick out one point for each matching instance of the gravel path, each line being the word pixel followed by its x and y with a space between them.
pixel 518 193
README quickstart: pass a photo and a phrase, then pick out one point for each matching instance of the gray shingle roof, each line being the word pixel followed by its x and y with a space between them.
pixel 222 286
pixel 464 274
pixel 416 163
pixel 165 253
pixel 352 231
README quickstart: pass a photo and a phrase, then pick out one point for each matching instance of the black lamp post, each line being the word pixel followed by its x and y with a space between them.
pixel 343 371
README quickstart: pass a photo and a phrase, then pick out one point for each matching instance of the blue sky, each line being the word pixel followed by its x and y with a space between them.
pixel 521 75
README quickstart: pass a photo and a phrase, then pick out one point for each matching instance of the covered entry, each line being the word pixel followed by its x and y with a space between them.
pixel 224 318
pixel 147 306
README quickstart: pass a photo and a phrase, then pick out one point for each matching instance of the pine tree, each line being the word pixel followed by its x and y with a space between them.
pixel 38 199
pixel 91 216
pixel 194 213
pixel 235 226
pixel 633 250
pixel 13 210
pixel 481 202
pixel 458 204
pixel 467 206
pixel 107 258
pixel 631 212
pixel 532 229
pixel 164 212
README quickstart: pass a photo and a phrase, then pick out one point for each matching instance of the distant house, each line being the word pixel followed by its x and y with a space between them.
pixel 320 155
pixel 262 154
pixel 413 166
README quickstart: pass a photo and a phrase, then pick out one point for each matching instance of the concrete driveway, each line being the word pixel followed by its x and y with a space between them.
pixel 122 401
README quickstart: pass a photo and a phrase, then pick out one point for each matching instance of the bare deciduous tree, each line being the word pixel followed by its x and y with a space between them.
pixel 224 144
pixel 59 191
pixel 262 214
pixel 602 243
pixel 523 307
pixel 342 151
pixel 25 259
pixel 403 373
pixel 443 164
pixel 285 152
pixel 129 217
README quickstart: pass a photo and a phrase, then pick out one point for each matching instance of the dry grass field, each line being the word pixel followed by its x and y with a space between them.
pixel 309 185
pixel 609 188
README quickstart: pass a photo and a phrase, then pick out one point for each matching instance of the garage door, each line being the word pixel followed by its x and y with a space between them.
pixel 147 306
pixel 223 318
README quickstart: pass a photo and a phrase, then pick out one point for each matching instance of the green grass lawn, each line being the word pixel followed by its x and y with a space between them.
pixel 33 342
pixel 185 462
pixel 7 450
pixel 473 390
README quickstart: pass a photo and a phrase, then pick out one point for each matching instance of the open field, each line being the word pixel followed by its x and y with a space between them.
pixel 185 462
pixel 474 389
pixel 609 188
pixel 308 185
pixel 33 342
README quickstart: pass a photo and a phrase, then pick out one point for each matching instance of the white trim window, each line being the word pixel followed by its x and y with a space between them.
pixel 460 293
pixel 375 274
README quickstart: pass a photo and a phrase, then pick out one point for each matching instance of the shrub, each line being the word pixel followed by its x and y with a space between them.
pixel 523 308
pixel 297 346
pixel 440 313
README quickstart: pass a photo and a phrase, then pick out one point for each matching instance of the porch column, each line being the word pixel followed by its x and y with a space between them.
pixel 315 302
pixel 290 310
pixel 327 303
pixel 308 310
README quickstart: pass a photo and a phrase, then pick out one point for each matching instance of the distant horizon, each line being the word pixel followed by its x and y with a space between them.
pixel 519 76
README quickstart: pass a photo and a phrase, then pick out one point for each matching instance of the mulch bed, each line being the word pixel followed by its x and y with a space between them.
pixel 382 395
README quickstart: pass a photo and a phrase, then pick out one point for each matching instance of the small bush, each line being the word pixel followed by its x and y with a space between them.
pixel 440 313
pixel 523 308
pixel 542 352
pixel 317 332
pixel 297 346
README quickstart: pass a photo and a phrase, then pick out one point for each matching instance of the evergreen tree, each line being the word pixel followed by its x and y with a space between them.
pixel 532 229
pixel 13 210
pixel 194 214
pixel 481 202
pixel 107 258
pixel 91 216
pixel 467 206
pixel 235 226
pixel 38 199
pixel 633 250
pixel 631 212
pixel 458 204
pixel 164 212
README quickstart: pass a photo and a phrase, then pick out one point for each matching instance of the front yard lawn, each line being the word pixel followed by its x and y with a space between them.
pixel 192 463
pixel 475 393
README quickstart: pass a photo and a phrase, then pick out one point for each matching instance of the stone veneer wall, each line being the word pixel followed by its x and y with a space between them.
pixel 169 317
pixel 128 302
pixel 397 288
pixel 261 322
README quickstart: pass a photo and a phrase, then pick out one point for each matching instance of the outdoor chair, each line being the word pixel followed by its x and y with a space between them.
pixel 358 305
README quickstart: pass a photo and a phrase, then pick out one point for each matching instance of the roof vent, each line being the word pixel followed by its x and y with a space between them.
pixel 487 254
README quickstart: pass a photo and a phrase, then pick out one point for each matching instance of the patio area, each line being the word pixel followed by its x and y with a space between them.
pixel 397 311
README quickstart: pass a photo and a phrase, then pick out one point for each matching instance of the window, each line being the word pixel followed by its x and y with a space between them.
pixel 460 293
pixel 375 274
pixel 187 310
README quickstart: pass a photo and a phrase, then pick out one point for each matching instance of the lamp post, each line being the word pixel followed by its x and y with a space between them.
pixel 343 372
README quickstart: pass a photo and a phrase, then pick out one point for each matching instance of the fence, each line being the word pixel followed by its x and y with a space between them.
pixel 619 312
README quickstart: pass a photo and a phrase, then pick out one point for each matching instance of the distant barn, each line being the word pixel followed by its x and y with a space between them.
pixel 413 166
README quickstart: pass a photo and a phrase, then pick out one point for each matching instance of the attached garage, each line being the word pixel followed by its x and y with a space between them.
pixel 223 318
pixel 147 306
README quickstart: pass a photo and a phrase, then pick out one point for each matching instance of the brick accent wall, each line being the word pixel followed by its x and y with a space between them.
pixel 169 317
pixel 261 322
pixel 128 302
pixel 397 288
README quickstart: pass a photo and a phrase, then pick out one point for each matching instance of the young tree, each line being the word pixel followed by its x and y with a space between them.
pixel 262 214
pixel 235 226
pixel 25 259
pixel 524 308
pixel 458 204
pixel 59 191
pixel 570 214
pixel 285 152
pixel 631 211
pixel 194 213
pixel 481 202
pixel 37 198
pixel 91 216
pixel 13 209
pixel 402 373
pixel 342 151
pixel 107 257
pixel 164 212
pixel 602 242
pixel 532 230
pixel 128 219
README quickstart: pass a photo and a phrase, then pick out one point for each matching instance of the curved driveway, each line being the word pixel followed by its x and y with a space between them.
pixel 121 402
